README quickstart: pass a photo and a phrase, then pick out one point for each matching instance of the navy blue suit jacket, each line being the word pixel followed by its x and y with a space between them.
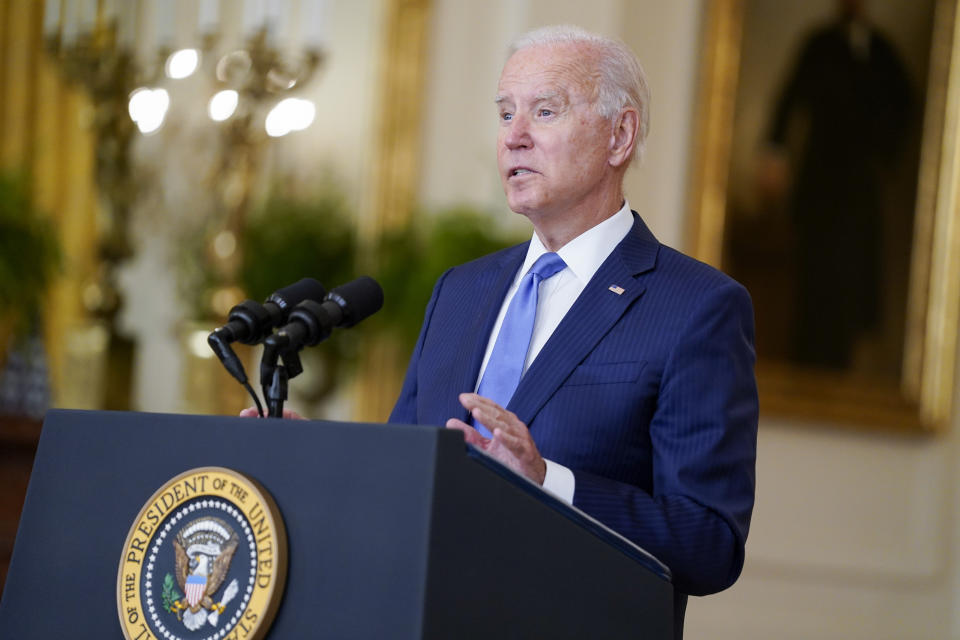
pixel 649 396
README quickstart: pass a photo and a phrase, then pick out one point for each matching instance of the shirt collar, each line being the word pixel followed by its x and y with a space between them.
pixel 585 253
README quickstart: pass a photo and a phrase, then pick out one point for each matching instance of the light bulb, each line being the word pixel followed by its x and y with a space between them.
pixel 182 63
pixel 222 105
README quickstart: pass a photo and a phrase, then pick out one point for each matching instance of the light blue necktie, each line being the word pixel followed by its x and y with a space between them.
pixel 505 366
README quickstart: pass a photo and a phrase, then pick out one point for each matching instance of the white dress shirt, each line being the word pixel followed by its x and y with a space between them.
pixel 583 256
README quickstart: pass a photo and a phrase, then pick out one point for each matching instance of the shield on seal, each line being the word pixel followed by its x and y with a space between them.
pixel 194 587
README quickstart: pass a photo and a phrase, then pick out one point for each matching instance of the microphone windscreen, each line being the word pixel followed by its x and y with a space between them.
pixel 292 295
pixel 359 299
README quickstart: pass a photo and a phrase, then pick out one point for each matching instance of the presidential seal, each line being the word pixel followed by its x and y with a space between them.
pixel 205 559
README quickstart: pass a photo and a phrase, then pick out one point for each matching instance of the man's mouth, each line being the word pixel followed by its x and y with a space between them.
pixel 520 171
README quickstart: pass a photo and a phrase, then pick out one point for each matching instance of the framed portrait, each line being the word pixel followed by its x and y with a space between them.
pixel 826 179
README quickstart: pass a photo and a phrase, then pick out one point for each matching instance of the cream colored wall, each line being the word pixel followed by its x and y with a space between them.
pixel 663 35
pixel 854 533
pixel 854 536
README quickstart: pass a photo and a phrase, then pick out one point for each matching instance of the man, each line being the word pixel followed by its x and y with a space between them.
pixel 637 401
pixel 850 89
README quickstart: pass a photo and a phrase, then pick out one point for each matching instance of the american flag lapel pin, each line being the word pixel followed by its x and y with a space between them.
pixel 617 290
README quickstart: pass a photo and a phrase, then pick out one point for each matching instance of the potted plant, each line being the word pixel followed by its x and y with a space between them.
pixel 412 259
pixel 287 239
pixel 29 258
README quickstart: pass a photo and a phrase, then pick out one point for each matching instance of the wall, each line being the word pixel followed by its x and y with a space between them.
pixel 854 536
pixel 854 533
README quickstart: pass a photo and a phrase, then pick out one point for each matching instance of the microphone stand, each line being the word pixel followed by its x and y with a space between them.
pixel 276 393
pixel 308 324
pixel 275 374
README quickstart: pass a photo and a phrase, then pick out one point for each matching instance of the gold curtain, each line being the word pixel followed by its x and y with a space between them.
pixel 45 133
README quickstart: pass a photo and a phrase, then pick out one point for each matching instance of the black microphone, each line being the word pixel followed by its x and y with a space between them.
pixel 250 322
pixel 311 323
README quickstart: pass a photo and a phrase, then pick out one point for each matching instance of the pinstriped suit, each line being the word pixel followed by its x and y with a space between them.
pixel 648 396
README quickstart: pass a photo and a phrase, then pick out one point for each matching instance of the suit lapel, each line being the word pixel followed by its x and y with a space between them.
pixel 594 313
pixel 492 285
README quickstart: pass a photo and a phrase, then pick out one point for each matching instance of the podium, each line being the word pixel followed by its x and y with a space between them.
pixel 393 532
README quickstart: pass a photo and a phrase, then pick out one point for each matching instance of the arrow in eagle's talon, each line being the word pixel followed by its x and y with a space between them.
pixel 228 595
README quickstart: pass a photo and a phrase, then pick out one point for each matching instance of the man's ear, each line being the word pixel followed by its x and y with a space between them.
pixel 624 136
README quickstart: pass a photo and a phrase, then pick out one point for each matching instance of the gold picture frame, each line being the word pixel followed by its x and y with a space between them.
pixel 917 397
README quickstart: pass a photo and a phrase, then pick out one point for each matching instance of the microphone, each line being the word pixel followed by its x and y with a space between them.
pixel 250 322
pixel 311 323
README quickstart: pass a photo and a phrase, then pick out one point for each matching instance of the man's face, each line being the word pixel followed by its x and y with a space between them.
pixel 552 147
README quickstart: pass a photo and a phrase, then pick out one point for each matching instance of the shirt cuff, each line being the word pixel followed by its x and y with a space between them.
pixel 559 481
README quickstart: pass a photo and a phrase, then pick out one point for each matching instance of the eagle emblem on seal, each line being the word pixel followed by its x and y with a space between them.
pixel 203 550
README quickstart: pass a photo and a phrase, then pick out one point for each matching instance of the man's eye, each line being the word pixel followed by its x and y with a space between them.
pixel 546 113
pixel 506 116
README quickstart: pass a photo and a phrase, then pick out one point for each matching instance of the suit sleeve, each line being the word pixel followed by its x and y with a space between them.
pixel 703 435
pixel 405 410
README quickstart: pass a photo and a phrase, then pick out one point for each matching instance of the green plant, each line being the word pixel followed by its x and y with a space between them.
pixel 29 254
pixel 410 263
pixel 285 240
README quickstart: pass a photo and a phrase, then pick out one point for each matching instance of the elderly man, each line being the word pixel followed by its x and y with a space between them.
pixel 611 369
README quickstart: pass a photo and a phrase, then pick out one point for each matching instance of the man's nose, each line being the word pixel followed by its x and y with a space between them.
pixel 517 135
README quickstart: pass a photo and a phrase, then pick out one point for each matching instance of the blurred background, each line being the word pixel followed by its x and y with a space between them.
pixel 162 160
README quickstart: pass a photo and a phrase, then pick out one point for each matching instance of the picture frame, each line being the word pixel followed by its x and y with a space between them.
pixel 898 375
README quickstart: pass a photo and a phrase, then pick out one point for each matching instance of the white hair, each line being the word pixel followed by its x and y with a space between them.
pixel 621 83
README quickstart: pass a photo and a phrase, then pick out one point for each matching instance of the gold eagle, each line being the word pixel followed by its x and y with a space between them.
pixel 215 575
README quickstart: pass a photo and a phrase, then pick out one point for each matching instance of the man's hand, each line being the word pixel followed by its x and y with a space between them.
pixel 251 412
pixel 511 443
